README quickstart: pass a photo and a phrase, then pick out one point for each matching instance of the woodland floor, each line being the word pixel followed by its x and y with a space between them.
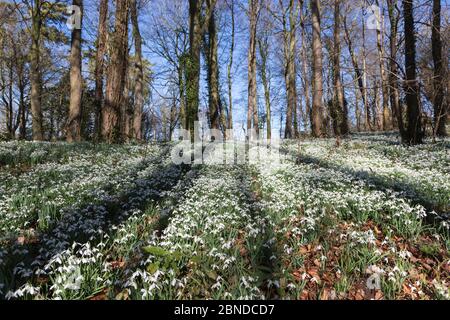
pixel 366 220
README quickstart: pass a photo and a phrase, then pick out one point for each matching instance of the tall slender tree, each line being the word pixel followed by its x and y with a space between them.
pixel 414 130
pixel 35 72
pixel 193 65
pixel 293 98
pixel 76 81
pixel 230 66
pixel 263 45
pixel 100 63
pixel 305 67
pixel 21 58
pixel 115 83
pixel 386 114
pixel 291 128
pixel 339 112
pixel 440 109
pixel 252 111
pixel 317 130
pixel 358 72
pixel 394 95
pixel 139 75
pixel 197 26
pixel 367 119
pixel 212 58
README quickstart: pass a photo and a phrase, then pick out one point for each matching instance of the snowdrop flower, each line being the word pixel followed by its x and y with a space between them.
pixel 291 286
pixel 271 284
pixel 404 254
pixel 216 285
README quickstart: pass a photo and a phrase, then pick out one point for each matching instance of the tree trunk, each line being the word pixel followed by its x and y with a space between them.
pixel 193 65
pixel 358 74
pixel 126 112
pixel 357 110
pixel 20 61
pixel 291 87
pixel 393 69
pixel 99 64
pixel 213 70
pixel 367 123
pixel 181 90
pixel 230 65
pixel 317 130
pixel 76 82
pixel 293 13
pixel 172 119
pixel 413 131
pixel 386 123
pixel 196 30
pixel 10 108
pixel 22 111
pixel 340 121
pixel 377 108
pixel 164 123
pixel 288 124
pixel 440 109
pixel 111 113
pixel 35 72
pixel 264 52
pixel 252 112
pixel 139 74
pixel 304 57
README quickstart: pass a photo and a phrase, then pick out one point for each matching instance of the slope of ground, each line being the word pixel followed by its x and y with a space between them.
pixel 367 220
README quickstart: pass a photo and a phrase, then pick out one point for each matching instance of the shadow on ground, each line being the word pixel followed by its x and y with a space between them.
pixel 89 223
pixel 374 181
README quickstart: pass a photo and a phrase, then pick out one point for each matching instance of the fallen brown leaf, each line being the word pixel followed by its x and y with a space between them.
pixel 297 275
pixel 426 266
pixel 360 294
pixel 325 294
pixel 118 264
pixel 313 272
pixel 317 262
pixel 101 296
pixel 304 295
pixel 379 295
pixel 303 250
pixel 407 289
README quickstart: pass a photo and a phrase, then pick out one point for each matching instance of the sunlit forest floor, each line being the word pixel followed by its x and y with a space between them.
pixel 366 220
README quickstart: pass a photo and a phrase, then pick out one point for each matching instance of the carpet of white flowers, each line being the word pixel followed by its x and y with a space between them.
pixel 366 220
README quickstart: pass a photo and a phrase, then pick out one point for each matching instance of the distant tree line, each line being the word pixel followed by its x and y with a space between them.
pixel 325 68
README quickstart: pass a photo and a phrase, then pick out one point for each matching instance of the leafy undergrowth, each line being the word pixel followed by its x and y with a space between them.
pixel 124 222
